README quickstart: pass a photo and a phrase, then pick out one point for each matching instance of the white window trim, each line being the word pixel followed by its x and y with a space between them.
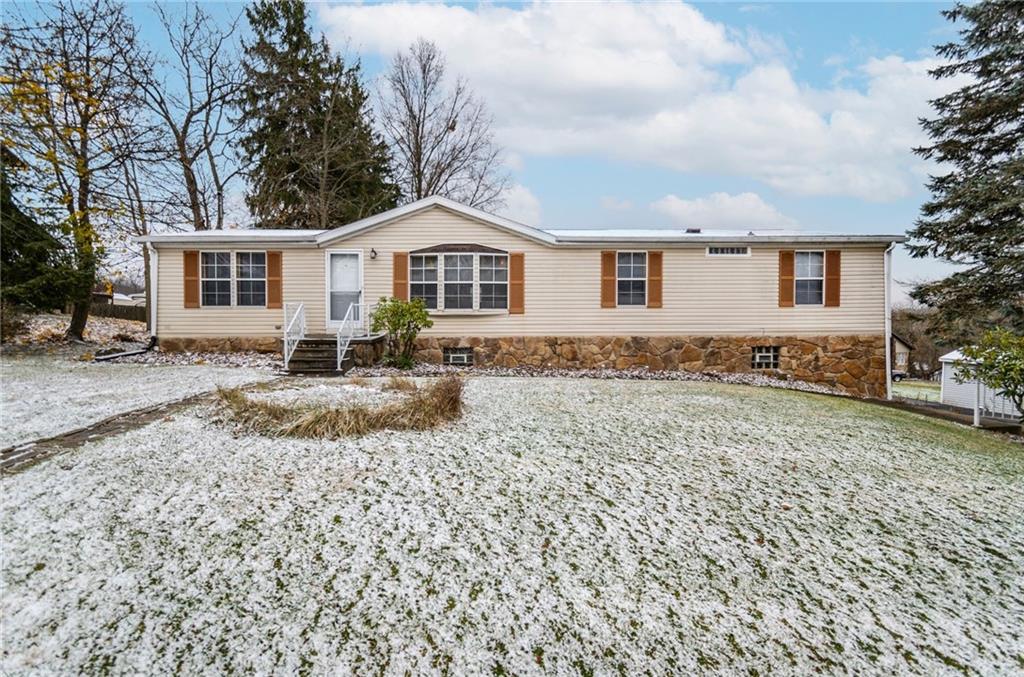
pixel 647 292
pixel 479 283
pixel 437 283
pixel 328 322
pixel 822 278
pixel 230 278
pixel 235 278
pixel 476 282
pixel 473 289
pixel 746 255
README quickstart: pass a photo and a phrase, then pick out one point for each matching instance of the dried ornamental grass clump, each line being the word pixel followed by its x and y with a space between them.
pixel 400 384
pixel 422 409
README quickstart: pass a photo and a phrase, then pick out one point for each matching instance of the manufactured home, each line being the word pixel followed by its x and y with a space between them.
pixel 794 304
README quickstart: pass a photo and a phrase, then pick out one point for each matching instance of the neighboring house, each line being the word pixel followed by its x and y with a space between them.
pixel 900 350
pixel 129 299
pixel 967 393
pixel 811 306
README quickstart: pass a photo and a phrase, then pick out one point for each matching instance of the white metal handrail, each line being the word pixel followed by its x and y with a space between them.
pixel 294 328
pixel 346 330
pixel 350 325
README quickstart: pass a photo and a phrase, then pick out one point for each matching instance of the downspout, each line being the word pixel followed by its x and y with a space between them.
pixel 154 276
pixel 888 320
pixel 153 268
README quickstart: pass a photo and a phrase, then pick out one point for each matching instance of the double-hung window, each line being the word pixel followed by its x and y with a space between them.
pixel 423 279
pixel 215 278
pixel 233 279
pixel 810 278
pixel 458 281
pixel 493 282
pixel 251 281
pixel 631 279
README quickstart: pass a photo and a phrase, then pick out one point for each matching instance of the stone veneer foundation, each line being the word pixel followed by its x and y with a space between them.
pixel 221 344
pixel 855 364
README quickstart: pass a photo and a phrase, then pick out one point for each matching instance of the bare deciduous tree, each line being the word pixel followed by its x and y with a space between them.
pixel 193 102
pixel 440 136
pixel 65 104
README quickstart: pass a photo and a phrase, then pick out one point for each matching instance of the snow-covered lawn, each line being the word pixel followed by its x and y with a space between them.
pixel 562 526
pixel 918 390
pixel 44 395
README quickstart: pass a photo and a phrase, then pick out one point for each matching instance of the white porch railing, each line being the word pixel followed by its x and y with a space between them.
pixel 351 327
pixel 294 328
pixel 346 331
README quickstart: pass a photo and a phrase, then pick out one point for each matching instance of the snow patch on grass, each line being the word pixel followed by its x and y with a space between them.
pixel 45 396
pixel 569 526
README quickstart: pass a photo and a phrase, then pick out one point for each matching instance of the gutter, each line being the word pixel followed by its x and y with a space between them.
pixel 888 321
pixel 744 239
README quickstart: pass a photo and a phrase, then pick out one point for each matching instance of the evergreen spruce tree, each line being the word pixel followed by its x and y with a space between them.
pixel 36 269
pixel 315 160
pixel 975 217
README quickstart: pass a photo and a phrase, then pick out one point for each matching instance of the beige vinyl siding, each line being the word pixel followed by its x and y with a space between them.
pixel 702 295
pixel 302 273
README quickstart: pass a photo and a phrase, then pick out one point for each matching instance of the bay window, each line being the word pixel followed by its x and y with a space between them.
pixel 460 278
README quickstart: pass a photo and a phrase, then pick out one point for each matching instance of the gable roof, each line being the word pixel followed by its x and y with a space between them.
pixel 383 218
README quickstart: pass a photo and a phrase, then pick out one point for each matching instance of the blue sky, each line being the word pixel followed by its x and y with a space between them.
pixel 798 115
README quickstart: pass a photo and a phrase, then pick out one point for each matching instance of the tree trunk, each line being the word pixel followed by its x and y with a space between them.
pixel 85 259
pixel 79 316
pixel 191 185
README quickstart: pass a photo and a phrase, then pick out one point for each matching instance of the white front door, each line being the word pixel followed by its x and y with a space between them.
pixel 345 285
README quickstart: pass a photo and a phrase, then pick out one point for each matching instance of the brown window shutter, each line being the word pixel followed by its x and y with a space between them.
pixel 832 275
pixel 654 276
pixel 191 279
pixel 274 280
pixel 786 278
pixel 400 275
pixel 516 284
pixel 608 279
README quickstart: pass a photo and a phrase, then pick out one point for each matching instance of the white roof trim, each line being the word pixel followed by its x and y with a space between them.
pixel 957 356
pixel 231 236
pixel 436 201
pixel 554 237
pixel 669 236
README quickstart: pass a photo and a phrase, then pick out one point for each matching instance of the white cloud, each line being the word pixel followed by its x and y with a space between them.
pixel 615 204
pixel 521 205
pixel 661 84
pixel 721 210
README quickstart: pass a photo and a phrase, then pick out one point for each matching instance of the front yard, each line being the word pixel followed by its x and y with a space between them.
pixel 563 526
pixel 48 395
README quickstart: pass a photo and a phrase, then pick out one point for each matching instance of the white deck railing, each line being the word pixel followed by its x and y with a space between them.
pixel 350 327
pixel 346 330
pixel 294 328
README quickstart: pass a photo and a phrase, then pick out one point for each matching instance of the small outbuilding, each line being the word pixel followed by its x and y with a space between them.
pixel 968 393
